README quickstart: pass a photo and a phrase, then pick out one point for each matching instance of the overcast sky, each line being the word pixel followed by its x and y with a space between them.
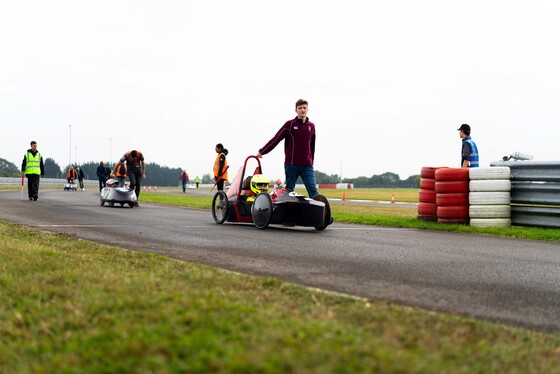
pixel 388 82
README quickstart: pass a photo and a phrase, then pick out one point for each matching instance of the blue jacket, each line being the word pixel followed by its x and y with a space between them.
pixel 469 152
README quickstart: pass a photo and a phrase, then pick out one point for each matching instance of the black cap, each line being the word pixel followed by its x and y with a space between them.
pixel 464 126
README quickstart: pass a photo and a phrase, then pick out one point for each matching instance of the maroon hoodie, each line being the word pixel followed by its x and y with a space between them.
pixel 299 142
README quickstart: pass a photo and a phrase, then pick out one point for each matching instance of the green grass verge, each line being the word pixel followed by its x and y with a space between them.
pixel 391 216
pixel 68 305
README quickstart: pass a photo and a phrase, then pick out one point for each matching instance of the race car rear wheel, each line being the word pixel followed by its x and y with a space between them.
pixel 261 210
pixel 327 220
pixel 102 202
pixel 131 204
pixel 220 207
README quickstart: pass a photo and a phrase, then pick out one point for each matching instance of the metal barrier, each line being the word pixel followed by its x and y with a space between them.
pixel 535 192
pixel 8 181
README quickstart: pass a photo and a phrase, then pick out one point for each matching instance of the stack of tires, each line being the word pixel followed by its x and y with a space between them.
pixel 490 196
pixel 427 209
pixel 452 195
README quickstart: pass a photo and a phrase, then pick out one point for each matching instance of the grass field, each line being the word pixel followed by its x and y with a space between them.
pixel 68 305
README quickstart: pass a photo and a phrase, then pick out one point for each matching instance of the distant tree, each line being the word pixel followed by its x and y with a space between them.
pixel 207 179
pixel 52 170
pixel 385 180
pixel 8 169
pixel 413 181
pixel 323 178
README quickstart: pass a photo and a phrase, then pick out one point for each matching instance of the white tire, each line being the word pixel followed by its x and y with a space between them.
pixel 490 222
pixel 490 185
pixel 489 198
pixel 496 172
pixel 490 211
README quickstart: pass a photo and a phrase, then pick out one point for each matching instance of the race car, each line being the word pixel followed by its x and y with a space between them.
pixel 70 185
pixel 112 194
pixel 246 201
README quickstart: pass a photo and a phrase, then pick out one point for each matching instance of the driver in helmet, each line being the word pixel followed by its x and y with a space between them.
pixel 259 183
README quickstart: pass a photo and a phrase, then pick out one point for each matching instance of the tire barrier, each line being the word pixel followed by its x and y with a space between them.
pixel 496 172
pixel 493 185
pixel 452 189
pixel 427 196
pixel 490 222
pixel 427 209
pixel 450 199
pixel 427 184
pixel 490 197
pixel 430 171
pixel 490 211
pixel 452 186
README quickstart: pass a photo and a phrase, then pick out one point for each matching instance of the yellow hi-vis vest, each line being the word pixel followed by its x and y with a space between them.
pixel 32 163
pixel 224 175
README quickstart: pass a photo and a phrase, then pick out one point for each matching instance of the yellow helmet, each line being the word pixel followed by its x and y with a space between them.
pixel 259 183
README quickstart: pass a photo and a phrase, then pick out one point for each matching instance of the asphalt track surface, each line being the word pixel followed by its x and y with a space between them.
pixel 516 282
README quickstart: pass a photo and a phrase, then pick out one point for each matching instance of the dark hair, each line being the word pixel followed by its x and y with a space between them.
pixel 134 153
pixel 220 146
pixel 226 151
pixel 32 142
pixel 301 102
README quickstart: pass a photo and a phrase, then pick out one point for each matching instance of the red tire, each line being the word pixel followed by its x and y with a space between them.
pixel 427 196
pixel 448 199
pixel 453 212
pixel 430 171
pixel 455 221
pixel 452 186
pixel 427 209
pixel 452 174
pixel 427 183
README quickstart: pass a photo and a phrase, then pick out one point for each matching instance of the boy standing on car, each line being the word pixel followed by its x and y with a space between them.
pixel 33 168
pixel 299 148
pixel 135 168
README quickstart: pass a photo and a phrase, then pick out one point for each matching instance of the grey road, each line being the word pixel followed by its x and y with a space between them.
pixel 512 281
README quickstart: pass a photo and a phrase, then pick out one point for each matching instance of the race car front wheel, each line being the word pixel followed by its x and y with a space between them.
pixel 261 210
pixel 328 218
pixel 220 207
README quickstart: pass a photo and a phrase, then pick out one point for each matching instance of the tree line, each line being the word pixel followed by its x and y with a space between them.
pixel 164 176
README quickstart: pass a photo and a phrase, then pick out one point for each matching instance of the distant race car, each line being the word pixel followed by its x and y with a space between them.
pixel 260 208
pixel 119 195
pixel 70 186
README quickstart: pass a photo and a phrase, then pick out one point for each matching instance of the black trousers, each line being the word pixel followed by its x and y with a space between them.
pixel 135 181
pixel 33 185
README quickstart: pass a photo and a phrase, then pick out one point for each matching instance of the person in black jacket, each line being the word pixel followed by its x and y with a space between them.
pixel 80 173
pixel 102 175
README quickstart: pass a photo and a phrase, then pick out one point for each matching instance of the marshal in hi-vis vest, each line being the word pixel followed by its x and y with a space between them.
pixel 224 175
pixel 474 153
pixel 32 163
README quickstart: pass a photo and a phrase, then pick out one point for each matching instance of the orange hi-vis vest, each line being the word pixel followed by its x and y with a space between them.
pixel 121 171
pixel 224 175
pixel 71 173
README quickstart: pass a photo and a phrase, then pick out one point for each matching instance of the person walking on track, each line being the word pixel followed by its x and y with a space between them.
pixel 33 168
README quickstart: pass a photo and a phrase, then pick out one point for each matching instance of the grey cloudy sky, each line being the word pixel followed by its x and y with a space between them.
pixel 388 82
